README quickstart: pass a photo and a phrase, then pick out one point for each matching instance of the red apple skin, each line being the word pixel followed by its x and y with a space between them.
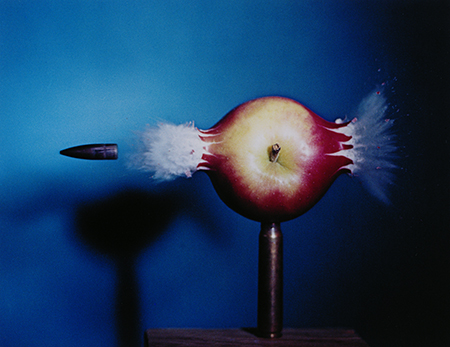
pixel 239 166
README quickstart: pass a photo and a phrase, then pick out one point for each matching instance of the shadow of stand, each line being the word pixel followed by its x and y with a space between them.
pixel 121 227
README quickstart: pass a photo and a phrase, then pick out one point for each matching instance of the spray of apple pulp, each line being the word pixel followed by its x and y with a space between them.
pixel 271 159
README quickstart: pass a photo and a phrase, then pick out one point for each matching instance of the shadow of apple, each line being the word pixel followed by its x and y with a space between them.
pixel 121 226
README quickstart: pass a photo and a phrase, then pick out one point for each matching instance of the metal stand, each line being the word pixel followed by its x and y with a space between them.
pixel 270 281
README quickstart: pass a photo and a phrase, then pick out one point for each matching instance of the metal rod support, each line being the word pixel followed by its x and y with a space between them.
pixel 270 281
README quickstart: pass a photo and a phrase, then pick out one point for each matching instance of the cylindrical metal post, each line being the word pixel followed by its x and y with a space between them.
pixel 270 281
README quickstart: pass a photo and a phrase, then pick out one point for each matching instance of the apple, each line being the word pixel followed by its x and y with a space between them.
pixel 270 159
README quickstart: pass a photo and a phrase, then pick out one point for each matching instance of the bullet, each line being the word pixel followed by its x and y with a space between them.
pixel 94 151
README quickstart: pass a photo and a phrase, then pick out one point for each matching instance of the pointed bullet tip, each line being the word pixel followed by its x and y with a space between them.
pixel 92 151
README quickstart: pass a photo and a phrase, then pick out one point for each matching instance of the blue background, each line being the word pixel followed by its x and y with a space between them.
pixel 92 253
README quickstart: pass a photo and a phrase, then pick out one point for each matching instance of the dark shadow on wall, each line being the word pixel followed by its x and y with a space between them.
pixel 120 227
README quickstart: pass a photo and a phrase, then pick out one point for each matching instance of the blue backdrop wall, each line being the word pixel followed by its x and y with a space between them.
pixel 93 253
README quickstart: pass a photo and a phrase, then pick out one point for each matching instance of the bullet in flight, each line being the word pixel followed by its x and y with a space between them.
pixel 92 151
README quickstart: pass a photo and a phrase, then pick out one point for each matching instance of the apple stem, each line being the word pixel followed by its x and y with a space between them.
pixel 275 152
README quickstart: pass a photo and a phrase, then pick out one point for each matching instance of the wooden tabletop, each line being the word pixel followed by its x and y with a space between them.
pixel 332 337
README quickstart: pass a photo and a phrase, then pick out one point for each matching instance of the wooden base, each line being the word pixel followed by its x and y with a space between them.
pixel 245 337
